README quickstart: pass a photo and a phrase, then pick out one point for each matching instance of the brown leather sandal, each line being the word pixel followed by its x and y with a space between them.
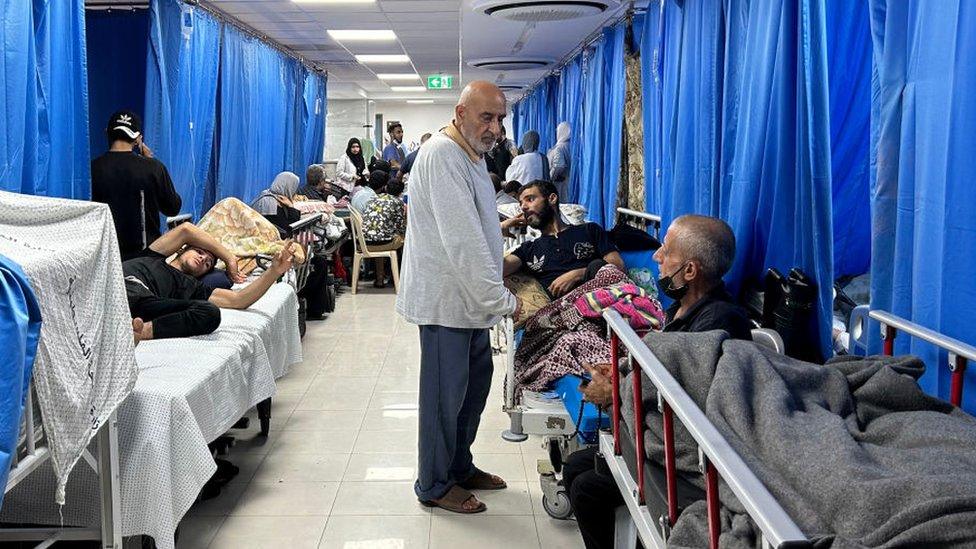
pixel 454 501
pixel 481 480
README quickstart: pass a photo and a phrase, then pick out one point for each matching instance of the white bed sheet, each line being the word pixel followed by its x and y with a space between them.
pixel 189 392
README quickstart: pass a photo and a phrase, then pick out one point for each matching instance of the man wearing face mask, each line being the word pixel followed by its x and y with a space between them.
pixel 696 253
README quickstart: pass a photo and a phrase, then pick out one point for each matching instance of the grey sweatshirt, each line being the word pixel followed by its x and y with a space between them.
pixel 452 260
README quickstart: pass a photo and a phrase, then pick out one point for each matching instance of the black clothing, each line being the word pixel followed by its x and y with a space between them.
pixel 283 217
pixel 310 192
pixel 715 311
pixel 137 189
pixel 549 257
pixel 499 158
pixel 357 159
pixel 594 496
pixel 162 279
pixel 175 302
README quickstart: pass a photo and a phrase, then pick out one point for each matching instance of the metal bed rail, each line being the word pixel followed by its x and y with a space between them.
pixel 106 465
pixel 645 219
pixel 717 459
pixel 303 233
pixel 959 353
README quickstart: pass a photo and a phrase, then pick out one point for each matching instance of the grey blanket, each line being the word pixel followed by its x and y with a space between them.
pixel 854 451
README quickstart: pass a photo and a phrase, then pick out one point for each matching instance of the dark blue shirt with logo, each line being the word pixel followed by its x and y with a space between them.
pixel 549 257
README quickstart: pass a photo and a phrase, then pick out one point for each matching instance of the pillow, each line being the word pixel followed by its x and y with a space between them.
pixel 532 294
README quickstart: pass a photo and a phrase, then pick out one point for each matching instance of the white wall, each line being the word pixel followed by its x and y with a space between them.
pixel 345 119
pixel 416 119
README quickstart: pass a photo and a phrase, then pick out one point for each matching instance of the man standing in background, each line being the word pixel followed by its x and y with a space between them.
pixel 136 186
pixel 452 289
pixel 412 157
pixel 393 153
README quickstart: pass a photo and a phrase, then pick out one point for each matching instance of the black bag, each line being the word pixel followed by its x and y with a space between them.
pixel 631 239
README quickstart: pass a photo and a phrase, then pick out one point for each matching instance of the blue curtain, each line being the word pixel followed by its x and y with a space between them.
pixel 315 110
pixel 604 85
pixel 923 167
pixel 116 42
pixel 181 95
pixel 259 93
pixel 45 99
pixel 849 65
pixel 570 109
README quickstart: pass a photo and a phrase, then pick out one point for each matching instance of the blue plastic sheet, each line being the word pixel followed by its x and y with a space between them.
pixel 923 172
pixel 315 111
pixel 45 99
pixel 259 93
pixel 116 44
pixel 849 64
pixel 181 95
pixel 20 327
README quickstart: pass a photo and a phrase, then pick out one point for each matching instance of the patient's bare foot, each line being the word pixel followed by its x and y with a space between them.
pixel 141 330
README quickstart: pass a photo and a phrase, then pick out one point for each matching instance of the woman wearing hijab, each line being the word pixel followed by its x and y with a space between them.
pixel 275 203
pixel 351 168
pixel 530 165
pixel 561 162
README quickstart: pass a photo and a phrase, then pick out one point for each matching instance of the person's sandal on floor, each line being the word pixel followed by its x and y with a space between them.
pixel 481 480
pixel 455 500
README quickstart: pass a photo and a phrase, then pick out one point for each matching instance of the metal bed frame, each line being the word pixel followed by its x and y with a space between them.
pixel 36 453
pixel 544 419
pixel 716 457
pixel 959 353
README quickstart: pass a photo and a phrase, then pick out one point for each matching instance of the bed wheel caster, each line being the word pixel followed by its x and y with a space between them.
pixel 558 507
pixel 508 435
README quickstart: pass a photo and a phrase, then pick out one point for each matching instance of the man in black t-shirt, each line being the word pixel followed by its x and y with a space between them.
pixel 136 186
pixel 565 255
pixel 167 299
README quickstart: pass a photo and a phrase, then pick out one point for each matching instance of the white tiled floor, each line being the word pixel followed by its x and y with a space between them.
pixel 337 471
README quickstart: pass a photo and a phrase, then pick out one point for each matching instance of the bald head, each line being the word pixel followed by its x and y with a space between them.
pixel 479 114
pixel 707 240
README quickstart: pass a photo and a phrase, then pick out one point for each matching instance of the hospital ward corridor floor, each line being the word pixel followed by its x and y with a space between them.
pixel 338 467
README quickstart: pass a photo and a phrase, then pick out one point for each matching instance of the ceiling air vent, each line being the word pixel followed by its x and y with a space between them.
pixel 510 63
pixel 534 11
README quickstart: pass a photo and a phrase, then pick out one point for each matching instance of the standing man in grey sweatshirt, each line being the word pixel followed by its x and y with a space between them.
pixel 452 289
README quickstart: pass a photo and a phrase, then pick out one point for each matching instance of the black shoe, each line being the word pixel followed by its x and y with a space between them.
pixel 316 317
pixel 226 471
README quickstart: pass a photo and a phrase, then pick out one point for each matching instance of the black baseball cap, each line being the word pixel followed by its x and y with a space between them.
pixel 126 122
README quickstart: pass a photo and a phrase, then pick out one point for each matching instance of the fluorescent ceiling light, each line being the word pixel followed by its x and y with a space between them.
pixel 362 35
pixel 334 1
pixel 408 88
pixel 382 58
pixel 420 101
pixel 398 76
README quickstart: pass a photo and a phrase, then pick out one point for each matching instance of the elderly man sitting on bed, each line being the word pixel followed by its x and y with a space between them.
pixel 167 299
pixel 696 253
pixel 564 256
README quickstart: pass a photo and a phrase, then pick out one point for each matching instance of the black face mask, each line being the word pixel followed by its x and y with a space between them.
pixel 666 285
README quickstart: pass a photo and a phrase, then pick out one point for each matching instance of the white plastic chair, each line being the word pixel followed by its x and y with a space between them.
pixel 363 251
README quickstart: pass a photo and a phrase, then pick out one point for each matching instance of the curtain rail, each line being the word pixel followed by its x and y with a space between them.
pixel 588 41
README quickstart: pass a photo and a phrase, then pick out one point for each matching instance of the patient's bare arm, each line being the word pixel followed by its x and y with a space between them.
pixel 245 297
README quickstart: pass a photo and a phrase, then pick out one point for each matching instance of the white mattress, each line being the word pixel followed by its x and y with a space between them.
pixel 189 392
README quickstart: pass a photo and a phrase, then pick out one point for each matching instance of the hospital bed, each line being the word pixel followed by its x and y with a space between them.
pixel 654 497
pixel 32 453
pixel 560 416
pixel 654 494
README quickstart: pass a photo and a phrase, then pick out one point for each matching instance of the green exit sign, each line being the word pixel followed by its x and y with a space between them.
pixel 439 82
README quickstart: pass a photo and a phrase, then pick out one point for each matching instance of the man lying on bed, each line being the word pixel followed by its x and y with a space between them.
pixel 564 256
pixel 167 299
pixel 696 253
